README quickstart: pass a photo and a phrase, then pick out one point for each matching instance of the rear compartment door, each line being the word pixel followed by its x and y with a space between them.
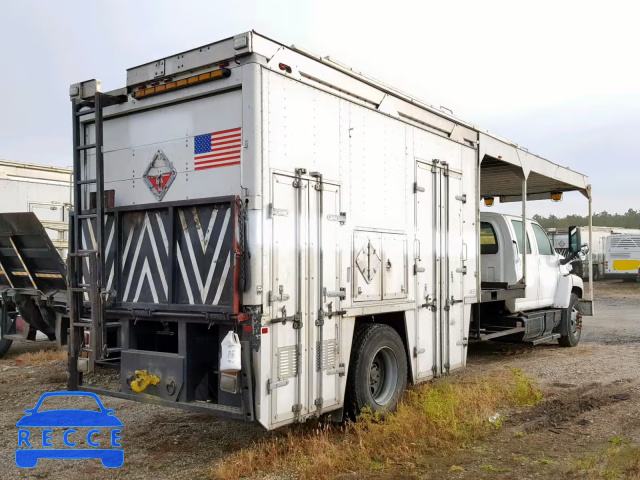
pixel 289 211
pixel 325 294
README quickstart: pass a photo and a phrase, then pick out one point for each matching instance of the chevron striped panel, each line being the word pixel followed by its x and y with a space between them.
pixel 205 254
pixel 145 257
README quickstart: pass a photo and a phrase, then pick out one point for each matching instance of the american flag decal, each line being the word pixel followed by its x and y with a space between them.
pixel 218 149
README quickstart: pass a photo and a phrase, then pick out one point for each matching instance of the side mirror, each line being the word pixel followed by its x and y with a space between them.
pixel 584 250
pixel 574 239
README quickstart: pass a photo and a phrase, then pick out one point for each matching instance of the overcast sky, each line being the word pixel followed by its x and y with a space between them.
pixel 558 77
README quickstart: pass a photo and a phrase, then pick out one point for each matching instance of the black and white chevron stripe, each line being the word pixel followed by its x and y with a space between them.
pixel 205 255
pixel 145 257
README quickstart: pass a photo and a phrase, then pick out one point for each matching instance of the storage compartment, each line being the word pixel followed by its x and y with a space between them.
pixel 367 282
pixel 380 266
pixel 394 265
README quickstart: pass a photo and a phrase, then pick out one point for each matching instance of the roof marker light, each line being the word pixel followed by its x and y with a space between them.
pixel 173 85
pixel 488 201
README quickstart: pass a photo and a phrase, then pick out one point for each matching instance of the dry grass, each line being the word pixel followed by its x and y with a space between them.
pixel 42 357
pixel 438 416
pixel 620 461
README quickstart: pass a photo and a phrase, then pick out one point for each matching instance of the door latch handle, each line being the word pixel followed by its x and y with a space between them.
pixel 281 297
pixel 432 305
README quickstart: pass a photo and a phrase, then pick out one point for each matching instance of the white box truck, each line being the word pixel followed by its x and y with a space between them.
pixel 329 220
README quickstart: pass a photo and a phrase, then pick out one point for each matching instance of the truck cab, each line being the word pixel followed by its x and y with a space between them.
pixel 540 302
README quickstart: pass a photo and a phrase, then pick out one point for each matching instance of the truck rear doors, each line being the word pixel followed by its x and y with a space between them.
pixel 305 324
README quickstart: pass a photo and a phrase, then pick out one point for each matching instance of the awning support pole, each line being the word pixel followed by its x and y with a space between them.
pixel 591 256
pixel 524 231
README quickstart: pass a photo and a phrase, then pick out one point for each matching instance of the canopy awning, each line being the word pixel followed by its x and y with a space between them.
pixel 503 167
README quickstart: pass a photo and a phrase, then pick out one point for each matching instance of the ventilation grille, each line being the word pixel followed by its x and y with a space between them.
pixel 326 354
pixel 287 362
pixel 625 241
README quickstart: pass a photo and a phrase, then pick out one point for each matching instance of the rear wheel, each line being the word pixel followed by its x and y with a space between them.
pixel 573 320
pixel 5 344
pixel 377 371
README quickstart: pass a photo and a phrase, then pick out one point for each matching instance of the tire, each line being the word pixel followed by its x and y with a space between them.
pixel 377 370
pixel 5 344
pixel 572 319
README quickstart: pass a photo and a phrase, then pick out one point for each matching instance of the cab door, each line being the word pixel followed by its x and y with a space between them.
pixel 531 299
pixel 548 267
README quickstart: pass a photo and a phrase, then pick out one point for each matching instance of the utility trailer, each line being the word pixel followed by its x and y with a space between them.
pixel 331 221
pixel 560 239
pixel 32 282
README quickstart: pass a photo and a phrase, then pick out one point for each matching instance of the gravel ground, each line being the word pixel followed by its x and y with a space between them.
pixel 591 394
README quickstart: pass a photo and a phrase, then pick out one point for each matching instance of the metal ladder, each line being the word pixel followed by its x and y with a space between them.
pixel 92 317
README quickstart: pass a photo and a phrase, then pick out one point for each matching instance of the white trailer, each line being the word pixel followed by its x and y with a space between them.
pixel 622 257
pixel 330 220
pixel 32 197
pixel 41 189
pixel 560 239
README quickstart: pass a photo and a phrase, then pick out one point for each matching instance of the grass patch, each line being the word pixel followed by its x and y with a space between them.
pixel 41 357
pixel 621 460
pixel 492 469
pixel 438 416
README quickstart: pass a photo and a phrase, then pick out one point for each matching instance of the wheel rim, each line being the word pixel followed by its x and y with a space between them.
pixel 383 376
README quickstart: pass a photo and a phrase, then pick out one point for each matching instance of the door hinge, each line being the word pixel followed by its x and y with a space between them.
pixel 296 408
pixel 462 198
pixel 337 371
pixel 462 270
pixel 342 218
pixel 273 212
pixel 273 385
pixel 417 351
pixel 417 188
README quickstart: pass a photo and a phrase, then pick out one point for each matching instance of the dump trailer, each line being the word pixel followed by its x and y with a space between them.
pixel 560 238
pixel 32 282
pixel 329 222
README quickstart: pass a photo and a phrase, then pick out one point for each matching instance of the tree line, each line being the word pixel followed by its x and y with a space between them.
pixel 630 219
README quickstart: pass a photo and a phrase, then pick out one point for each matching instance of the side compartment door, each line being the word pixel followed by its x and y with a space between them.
pixel 289 214
pixel 427 351
pixel 325 294
pixel 454 328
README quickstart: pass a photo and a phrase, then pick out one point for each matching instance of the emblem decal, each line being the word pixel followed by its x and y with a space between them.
pixel 159 175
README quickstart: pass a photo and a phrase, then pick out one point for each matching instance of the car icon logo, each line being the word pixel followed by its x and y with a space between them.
pixel 69 433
